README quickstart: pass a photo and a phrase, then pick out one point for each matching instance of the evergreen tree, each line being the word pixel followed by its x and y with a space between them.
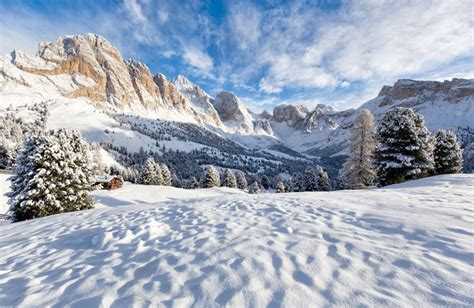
pixel 254 188
pixel 447 153
pixel 78 176
pixel 358 171
pixel 158 174
pixel 280 187
pixel 151 173
pixel 288 185
pixel 194 183
pixel 229 179
pixel 211 177
pixel 310 180
pixel 6 155
pixel 165 175
pixel 316 179
pixel 265 182
pixel 52 176
pixel 324 183
pixel 298 183
pixel 241 180
pixel 405 150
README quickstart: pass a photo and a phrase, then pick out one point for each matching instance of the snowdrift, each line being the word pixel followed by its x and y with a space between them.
pixel 404 245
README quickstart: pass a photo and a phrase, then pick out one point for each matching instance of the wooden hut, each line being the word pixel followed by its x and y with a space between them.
pixel 109 182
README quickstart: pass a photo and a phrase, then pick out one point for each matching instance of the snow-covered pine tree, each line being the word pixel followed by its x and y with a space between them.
pixel 194 183
pixel 211 177
pixel 229 179
pixel 265 182
pixel 254 188
pixel 22 203
pixel 280 187
pixel 447 153
pixel 298 183
pixel 405 149
pixel 324 183
pixel 241 180
pixel 77 176
pixel 6 155
pixel 150 174
pixel 49 177
pixel 158 174
pixel 358 171
pixel 310 180
pixel 165 175
pixel 316 179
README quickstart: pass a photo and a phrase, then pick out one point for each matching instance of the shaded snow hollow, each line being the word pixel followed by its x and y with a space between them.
pixel 405 245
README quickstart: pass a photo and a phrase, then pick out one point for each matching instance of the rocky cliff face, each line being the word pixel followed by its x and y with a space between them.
pixel 236 116
pixel 293 115
pixel 111 79
pixel 200 100
pixel 419 92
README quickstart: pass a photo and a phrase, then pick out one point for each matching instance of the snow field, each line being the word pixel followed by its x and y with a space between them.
pixel 405 245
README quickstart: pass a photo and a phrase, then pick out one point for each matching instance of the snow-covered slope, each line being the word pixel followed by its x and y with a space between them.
pixel 406 245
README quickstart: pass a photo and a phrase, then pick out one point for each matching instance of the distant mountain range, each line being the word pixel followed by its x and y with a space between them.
pixel 89 86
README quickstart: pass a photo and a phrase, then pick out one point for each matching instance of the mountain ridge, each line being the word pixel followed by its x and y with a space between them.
pixel 90 68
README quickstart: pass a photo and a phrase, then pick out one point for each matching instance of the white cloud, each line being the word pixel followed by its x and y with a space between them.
pixel 267 87
pixel 299 47
pixel 198 59
pixel 135 10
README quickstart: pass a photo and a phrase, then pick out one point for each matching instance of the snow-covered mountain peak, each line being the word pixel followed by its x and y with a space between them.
pixel 183 83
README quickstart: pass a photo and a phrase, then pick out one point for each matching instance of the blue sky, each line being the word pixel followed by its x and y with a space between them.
pixel 338 53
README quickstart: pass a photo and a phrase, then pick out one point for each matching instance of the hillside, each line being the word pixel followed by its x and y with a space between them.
pixel 223 247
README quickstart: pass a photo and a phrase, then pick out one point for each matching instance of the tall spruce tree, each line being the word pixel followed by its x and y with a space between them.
pixel 447 153
pixel 358 171
pixel 211 178
pixel 229 179
pixel 405 149
pixel 52 176
pixel 241 180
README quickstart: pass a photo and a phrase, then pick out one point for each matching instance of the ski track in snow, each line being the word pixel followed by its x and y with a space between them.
pixel 406 245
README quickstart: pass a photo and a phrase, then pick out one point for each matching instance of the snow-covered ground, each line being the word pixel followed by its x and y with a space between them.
pixel 405 245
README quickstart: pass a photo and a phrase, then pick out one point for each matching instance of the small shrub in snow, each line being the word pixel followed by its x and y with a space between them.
pixel 405 150
pixel 254 188
pixel 447 153
pixel 229 179
pixel 211 178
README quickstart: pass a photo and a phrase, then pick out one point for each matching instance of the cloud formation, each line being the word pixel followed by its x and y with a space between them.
pixel 336 52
